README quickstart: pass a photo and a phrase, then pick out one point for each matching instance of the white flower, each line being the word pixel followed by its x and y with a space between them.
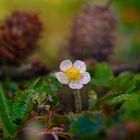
pixel 74 75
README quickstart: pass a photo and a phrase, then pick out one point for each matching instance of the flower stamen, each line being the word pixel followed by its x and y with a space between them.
pixel 73 74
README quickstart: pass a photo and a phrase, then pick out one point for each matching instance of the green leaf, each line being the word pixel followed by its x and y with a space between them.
pixel 55 83
pixel 125 83
pixel 87 126
pixel 122 87
pixel 102 75
pixel 9 85
pixel 130 110
pixel 47 84
pixel 5 118
pixel 22 104
pixel 119 99
pixel 136 78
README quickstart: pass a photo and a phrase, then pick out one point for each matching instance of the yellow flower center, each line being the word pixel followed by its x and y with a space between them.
pixel 73 74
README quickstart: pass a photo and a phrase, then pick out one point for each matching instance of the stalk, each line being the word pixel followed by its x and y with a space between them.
pixel 78 102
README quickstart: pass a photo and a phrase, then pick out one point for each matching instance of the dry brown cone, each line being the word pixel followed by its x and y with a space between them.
pixel 19 35
pixel 92 33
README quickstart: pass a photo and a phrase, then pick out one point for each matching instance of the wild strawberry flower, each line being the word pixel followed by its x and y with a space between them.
pixel 74 75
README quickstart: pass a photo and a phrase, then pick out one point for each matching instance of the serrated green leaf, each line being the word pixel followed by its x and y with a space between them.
pixel 125 83
pixel 119 99
pixel 22 104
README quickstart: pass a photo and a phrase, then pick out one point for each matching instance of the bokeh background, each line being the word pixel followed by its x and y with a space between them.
pixel 57 17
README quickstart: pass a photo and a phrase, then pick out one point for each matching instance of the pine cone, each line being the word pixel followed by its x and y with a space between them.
pixel 18 37
pixel 92 33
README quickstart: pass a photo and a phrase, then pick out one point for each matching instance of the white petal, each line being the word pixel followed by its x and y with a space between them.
pixel 80 65
pixel 62 78
pixel 75 85
pixel 65 65
pixel 86 78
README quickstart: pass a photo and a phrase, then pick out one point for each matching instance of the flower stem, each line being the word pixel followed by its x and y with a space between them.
pixel 78 101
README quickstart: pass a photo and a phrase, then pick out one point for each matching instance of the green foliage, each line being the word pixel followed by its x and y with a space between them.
pixel 48 85
pixel 130 108
pixel 38 92
pixel 102 75
pixel 124 83
pixel 7 124
pixel 118 99
pixel 50 82
pixel 13 114
pixel 9 85
pixel 118 104
pixel 122 87
pixel 22 104
pixel 87 126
